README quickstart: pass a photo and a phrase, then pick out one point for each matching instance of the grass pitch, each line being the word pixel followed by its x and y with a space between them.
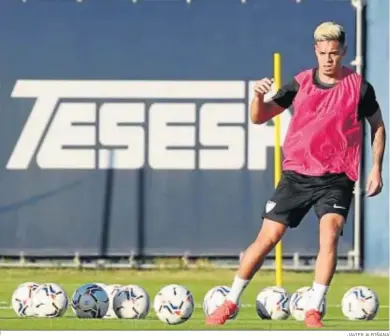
pixel 198 282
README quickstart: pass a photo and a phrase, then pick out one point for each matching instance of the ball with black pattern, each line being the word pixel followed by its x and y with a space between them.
pixel 174 304
pixel 360 303
pixel 90 301
pixel 50 300
pixel 131 302
pixel 215 297
pixel 21 300
pixel 272 303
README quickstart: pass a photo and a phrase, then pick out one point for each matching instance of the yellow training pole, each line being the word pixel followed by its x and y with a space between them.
pixel 278 165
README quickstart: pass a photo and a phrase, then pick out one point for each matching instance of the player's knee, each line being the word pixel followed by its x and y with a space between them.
pixel 270 233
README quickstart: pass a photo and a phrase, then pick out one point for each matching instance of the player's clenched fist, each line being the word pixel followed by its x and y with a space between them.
pixel 263 86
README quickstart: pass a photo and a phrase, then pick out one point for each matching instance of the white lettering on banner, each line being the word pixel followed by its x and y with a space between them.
pixel 128 124
pixel 167 137
pixel 64 132
pixel 230 139
pixel 120 127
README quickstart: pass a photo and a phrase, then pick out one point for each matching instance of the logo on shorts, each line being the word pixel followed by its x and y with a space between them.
pixel 269 206
pixel 338 206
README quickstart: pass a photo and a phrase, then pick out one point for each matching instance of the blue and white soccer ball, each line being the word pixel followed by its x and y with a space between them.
pixel 50 300
pixel 22 297
pixel 174 304
pixel 90 301
pixel 216 297
pixel 131 302
pixel 360 303
pixel 272 303
pixel 299 303
pixel 111 292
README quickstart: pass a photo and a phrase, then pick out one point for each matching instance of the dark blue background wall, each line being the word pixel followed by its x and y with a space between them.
pixel 59 211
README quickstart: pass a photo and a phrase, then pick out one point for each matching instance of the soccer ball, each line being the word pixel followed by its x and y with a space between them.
pixel 216 297
pixel 90 301
pixel 273 303
pixel 131 302
pixel 50 300
pixel 111 291
pixel 299 301
pixel 360 303
pixel 174 304
pixel 22 299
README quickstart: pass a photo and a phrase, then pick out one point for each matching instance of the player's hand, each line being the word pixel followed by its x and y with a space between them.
pixel 374 182
pixel 263 86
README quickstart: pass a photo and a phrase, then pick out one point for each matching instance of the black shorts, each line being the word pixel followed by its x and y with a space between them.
pixel 296 194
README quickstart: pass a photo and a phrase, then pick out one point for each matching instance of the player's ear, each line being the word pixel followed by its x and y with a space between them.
pixel 345 49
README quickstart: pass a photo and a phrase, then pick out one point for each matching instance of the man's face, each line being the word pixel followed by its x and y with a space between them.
pixel 330 56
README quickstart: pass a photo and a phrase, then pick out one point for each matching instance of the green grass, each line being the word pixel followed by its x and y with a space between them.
pixel 199 282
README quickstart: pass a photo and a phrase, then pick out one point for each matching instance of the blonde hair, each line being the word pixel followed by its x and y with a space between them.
pixel 329 31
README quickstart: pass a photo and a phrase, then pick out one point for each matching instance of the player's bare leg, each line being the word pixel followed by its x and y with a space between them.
pixel 330 229
pixel 270 234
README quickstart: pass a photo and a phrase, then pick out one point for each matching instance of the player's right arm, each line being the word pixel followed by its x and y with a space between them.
pixel 261 111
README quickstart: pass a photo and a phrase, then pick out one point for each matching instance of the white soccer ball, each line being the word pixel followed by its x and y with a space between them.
pixel 299 301
pixel 131 302
pixel 90 301
pixel 272 303
pixel 21 300
pixel 50 300
pixel 360 303
pixel 111 291
pixel 216 297
pixel 174 304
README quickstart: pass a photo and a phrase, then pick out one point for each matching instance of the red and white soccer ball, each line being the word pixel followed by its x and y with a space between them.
pixel 360 303
pixel 174 304
pixel 22 297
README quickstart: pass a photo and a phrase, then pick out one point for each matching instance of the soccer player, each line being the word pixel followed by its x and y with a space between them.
pixel 322 153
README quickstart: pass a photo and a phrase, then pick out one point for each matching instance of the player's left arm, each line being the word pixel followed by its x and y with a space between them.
pixel 370 109
pixel 378 138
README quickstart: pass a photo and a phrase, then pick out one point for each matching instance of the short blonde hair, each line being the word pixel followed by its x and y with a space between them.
pixel 329 31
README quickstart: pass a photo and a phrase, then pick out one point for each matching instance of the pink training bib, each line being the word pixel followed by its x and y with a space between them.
pixel 325 135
